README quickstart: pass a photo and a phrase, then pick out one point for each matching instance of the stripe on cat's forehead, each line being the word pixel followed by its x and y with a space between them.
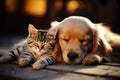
pixel 42 34
pixel 41 30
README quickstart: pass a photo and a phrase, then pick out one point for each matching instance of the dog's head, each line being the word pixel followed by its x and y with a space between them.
pixel 75 36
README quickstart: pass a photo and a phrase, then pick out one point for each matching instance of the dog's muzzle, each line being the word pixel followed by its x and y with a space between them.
pixel 72 56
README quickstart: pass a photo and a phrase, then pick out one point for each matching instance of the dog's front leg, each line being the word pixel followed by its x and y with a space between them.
pixel 94 58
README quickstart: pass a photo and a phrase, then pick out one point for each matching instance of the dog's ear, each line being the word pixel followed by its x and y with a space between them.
pixel 99 39
pixel 52 32
pixel 95 40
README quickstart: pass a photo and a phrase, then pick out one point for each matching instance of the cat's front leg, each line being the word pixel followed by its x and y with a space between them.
pixel 6 59
pixel 13 54
pixel 25 59
pixel 42 62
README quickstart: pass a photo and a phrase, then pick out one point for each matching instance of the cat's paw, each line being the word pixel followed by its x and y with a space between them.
pixel 92 59
pixel 38 66
pixel 5 59
pixel 23 62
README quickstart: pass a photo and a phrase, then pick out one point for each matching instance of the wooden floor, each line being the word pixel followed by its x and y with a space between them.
pixel 108 71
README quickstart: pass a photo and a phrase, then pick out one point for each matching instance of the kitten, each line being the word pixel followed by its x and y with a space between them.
pixel 36 49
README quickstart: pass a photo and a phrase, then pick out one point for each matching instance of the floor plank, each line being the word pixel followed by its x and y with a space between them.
pixel 99 70
pixel 12 71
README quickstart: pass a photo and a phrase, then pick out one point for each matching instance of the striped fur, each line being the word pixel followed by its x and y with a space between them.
pixel 36 49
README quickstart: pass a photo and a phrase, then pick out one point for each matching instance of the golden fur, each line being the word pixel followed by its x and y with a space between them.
pixel 81 41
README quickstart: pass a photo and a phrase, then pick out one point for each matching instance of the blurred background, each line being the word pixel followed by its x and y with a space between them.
pixel 15 15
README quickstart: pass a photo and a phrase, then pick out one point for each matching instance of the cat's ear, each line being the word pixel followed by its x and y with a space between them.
pixel 32 30
pixel 53 30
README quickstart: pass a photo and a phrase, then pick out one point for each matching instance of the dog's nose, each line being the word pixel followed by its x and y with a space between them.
pixel 72 56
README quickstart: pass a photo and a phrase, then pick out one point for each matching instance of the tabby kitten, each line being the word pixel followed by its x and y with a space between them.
pixel 36 49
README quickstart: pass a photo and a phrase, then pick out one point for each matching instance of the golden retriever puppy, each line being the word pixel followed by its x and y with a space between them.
pixel 78 40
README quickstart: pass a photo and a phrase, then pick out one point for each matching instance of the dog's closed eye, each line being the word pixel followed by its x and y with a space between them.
pixel 65 39
pixel 85 40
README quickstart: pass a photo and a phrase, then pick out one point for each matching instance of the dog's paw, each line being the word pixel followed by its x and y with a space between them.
pixel 23 62
pixel 92 59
